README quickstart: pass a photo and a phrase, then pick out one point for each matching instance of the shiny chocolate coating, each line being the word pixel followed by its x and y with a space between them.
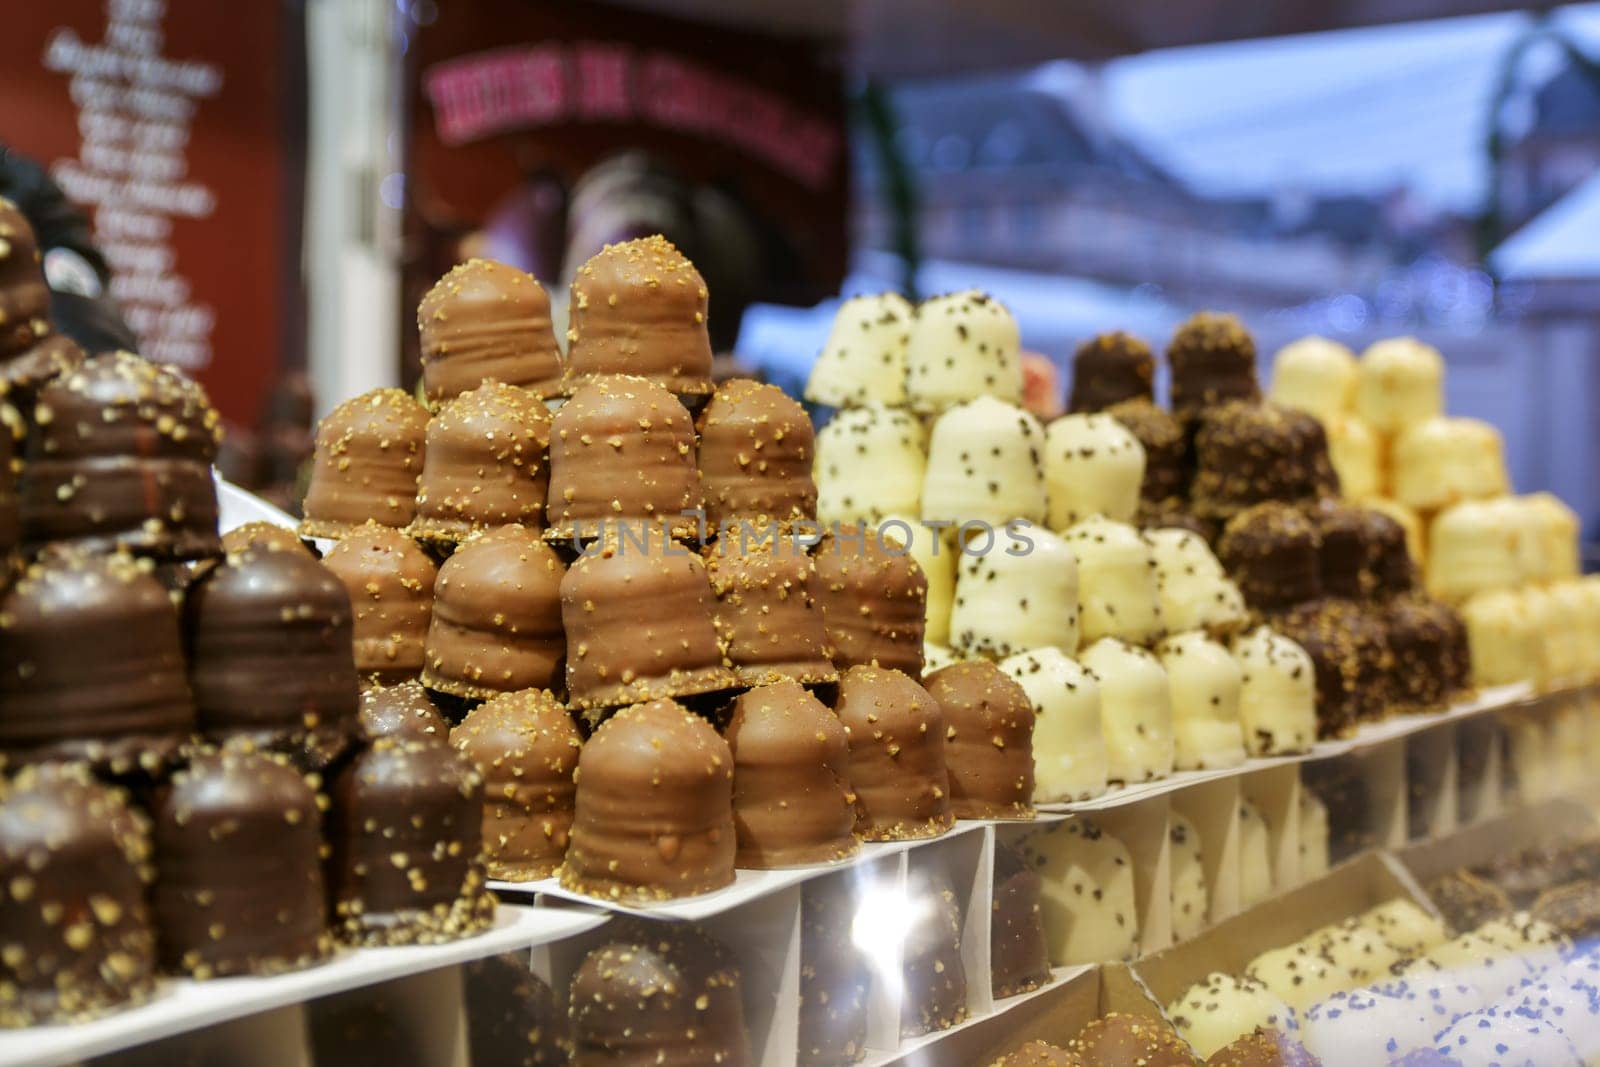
pixel 1273 552
pixel 369 452
pixel 766 610
pixel 791 779
pixel 1423 636
pixel 119 456
pixel 1166 448
pixel 238 847
pixel 756 449
pixel 835 975
pixel 873 599
pixel 270 655
pixel 897 755
pixel 658 993
pixel 1120 1040
pixel 639 307
pixel 935 980
pixel 486 321
pixel 24 294
pixel 1213 360
pixel 74 863
pixel 1247 453
pixel 91 665
pixel 1263 1047
pixel 654 816
pixel 1394 571
pixel 1110 368
pixel 638 617
pixel 526 747
pixel 486 464
pixel 496 625
pixel 1018 958
pixel 405 828
pixel 512 1017
pixel 12 434
pixel 403 710
pixel 1039 1054
pixel 23 375
pixel 622 453
pixel 390 581
pixel 264 535
pixel 988 748
pixel 1348 556
pixel 1348 654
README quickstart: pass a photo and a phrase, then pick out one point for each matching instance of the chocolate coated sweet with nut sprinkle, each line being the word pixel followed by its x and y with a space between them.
pixel 873 602
pixel 897 755
pixel 792 803
pixel 486 464
pixel 405 830
pixel 512 1016
pixel 1166 449
pixel 988 740
pixel 1273 552
pixel 661 993
pixel 74 863
pixel 22 376
pixel 1248 453
pixel 1119 1040
pixel 1213 360
pixel 485 321
pixel 1019 960
pixel 639 624
pixel 369 452
pixel 1350 656
pixel 526 747
pixel 496 624
pixel 125 706
pixel 1110 368
pixel 24 294
pixel 934 978
pixel 239 885
pixel 1424 638
pixel 268 636
pixel 654 817
pixel 639 308
pixel 119 455
pixel 766 611
pixel 263 535
pixel 401 710
pixel 12 434
pixel 390 581
pixel 835 975
pixel 1348 557
pixel 755 455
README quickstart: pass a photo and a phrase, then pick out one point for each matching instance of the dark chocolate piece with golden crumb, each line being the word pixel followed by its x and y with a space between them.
pixel 1263 1048
pixel 401 710
pixel 1019 960
pixel 1249 453
pixel 1110 368
pixel 1120 1040
pixel 1273 552
pixel 24 293
pixel 486 321
pixel 934 991
pixel 1039 1054
pixel 1166 448
pixel 835 975
pixel 263 535
pixel 512 1016
pixel 1213 360
pixel 369 452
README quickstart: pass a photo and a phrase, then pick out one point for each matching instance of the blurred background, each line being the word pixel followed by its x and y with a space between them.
pixel 274 183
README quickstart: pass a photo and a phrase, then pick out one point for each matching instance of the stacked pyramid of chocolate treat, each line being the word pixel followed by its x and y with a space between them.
pixel 1510 564
pixel 178 711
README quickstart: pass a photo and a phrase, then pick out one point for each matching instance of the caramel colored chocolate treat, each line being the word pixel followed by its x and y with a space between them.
pixel 485 321
pixel 756 451
pixel 270 654
pixel 639 307
pixel 24 295
pixel 369 452
pixel 390 581
pixel 1039 1054
pixel 526 747
pixel 639 624
pixel 1273 553
pixel 119 456
pixel 239 868
pixel 791 783
pixel 897 755
pixel 91 665
pixel 1118 1040
pixel 988 740
pixel 1246 454
pixel 403 710
pixel 1166 449
pixel 512 1017
pixel 835 975
pixel 404 826
pixel 74 858
pixel 1262 1047
pixel 622 454
pixel 1467 900
pixel 1350 658
pixel 1213 360
pixel 496 625
pixel 766 610
pixel 654 814
pixel 1018 958
pixel 263 535
pixel 22 376
pixel 485 464
pixel 1110 368
pixel 1424 638
pixel 873 598
pixel 1348 557
pixel 934 990
pixel 12 433
pixel 659 993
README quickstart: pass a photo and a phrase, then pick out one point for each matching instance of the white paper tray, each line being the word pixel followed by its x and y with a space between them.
pixel 182 1005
